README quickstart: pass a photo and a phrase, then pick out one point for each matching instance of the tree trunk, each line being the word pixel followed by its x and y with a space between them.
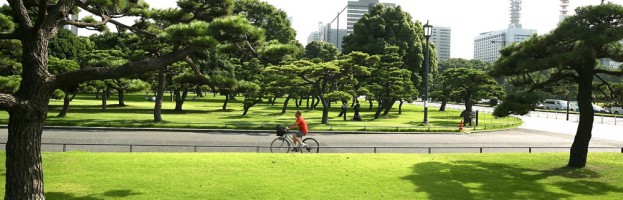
pixel 225 103
pixel 388 106
pixel 371 104
pixel 285 104
pixel 121 96
pixel 66 101
pixel 377 114
pixel 316 104
pixel 325 109
pixel 468 103
pixel 180 99
pixel 198 91
pixel 579 148
pixel 443 105
pixel 97 94
pixel 313 102
pixel 104 98
pixel 400 107
pixel 307 103
pixel 24 172
pixel 159 96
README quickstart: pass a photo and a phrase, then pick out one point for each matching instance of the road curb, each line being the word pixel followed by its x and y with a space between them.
pixel 231 130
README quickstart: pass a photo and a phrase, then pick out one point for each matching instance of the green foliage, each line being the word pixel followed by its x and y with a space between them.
pixel 57 66
pixel 276 53
pixel 58 94
pixel 195 33
pixel 265 16
pixel 10 54
pixel 133 85
pixel 516 104
pixel 464 63
pixel 388 26
pixel 470 85
pixel 6 23
pixel 565 59
pixel 9 84
pixel 339 96
pixel 67 45
pixel 321 50
pixel 206 10
pixel 390 81
pixel 234 29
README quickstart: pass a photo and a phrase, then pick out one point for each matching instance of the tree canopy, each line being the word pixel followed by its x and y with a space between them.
pixel 567 56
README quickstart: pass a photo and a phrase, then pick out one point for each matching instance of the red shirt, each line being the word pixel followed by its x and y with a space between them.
pixel 300 122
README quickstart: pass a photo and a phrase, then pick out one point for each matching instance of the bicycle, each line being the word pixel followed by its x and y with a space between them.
pixel 282 143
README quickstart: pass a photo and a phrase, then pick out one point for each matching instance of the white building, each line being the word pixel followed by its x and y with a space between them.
pixel 72 28
pixel 487 45
pixel 442 39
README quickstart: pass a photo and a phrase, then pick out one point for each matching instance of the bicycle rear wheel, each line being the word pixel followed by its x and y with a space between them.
pixel 312 146
pixel 280 145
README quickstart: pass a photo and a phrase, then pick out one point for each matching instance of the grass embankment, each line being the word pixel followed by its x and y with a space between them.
pixel 79 175
pixel 207 112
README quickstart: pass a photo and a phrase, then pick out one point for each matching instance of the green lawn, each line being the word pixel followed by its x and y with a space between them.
pixel 207 112
pixel 91 176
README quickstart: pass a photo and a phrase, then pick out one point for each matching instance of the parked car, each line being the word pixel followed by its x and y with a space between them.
pixel 554 104
pixel 539 105
pixel 597 109
pixel 616 110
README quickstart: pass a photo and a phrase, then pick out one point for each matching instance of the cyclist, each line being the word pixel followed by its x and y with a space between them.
pixel 300 122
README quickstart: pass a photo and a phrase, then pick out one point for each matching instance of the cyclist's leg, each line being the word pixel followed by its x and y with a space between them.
pixel 298 138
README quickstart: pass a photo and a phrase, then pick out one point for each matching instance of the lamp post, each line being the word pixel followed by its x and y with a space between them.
pixel 428 31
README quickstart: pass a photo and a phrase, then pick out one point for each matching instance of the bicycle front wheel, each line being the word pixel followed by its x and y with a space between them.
pixel 312 146
pixel 280 145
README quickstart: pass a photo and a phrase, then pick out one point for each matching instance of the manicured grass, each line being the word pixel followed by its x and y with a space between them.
pixel 80 175
pixel 206 112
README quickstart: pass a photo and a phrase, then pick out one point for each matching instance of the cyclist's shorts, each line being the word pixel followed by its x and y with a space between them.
pixel 300 134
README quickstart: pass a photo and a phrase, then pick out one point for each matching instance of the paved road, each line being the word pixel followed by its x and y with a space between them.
pixel 536 132
pixel 335 142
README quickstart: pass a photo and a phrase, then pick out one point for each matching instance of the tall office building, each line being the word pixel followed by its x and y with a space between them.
pixel 487 45
pixel 442 39
pixel 357 9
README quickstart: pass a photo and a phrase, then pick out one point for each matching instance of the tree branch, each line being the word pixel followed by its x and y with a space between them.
pixel 7 102
pixel 200 76
pixel 607 84
pixel 133 29
pixel 20 13
pixel 80 24
pixel 613 73
pixel 80 76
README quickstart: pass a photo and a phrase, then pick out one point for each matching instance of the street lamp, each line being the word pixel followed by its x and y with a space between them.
pixel 428 31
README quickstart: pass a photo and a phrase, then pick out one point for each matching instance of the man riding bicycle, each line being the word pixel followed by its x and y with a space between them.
pixel 300 122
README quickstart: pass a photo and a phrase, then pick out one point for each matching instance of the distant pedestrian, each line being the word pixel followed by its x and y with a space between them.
pixel 343 112
pixel 357 117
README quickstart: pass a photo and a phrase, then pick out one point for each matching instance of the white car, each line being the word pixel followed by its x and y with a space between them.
pixel 616 110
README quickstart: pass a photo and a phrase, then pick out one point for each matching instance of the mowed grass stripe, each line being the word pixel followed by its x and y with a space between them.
pixel 81 175
pixel 207 112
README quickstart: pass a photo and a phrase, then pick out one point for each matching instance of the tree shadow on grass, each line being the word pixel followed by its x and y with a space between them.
pixel 120 193
pixel 69 196
pixel 482 180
